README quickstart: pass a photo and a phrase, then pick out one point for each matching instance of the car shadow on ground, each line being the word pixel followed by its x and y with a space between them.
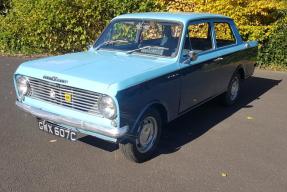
pixel 198 121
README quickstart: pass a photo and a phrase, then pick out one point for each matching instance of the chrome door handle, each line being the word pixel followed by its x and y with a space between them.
pixel 218 59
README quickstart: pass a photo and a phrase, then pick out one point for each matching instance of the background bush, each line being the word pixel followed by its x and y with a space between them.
pixel 273 54
pixel 60 26
pixel 5 5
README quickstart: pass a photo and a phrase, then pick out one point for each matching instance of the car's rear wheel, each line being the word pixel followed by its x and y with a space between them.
pixel 149 131
pixel 233 91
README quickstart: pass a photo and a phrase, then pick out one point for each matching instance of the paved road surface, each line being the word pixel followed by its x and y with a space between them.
pixel 248 142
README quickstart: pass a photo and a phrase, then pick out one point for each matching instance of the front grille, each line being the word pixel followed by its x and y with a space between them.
pixel 66 96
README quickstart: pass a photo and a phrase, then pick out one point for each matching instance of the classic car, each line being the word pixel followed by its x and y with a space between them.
pixel 144 70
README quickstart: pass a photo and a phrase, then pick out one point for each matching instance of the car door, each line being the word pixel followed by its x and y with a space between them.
pixel 226 47
pixel 198 76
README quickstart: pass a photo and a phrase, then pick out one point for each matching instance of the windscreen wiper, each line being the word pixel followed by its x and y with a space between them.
pixel 110 42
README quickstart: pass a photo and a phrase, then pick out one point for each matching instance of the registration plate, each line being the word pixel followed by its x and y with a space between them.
pixel 57 130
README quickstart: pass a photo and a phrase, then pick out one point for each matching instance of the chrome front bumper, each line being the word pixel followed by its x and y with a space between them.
pixel 59 119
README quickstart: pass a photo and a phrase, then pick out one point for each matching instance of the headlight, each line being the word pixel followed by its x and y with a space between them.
pixel 23 86
pixel 108 107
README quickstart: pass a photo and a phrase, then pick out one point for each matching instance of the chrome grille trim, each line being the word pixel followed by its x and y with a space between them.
pixel 82 100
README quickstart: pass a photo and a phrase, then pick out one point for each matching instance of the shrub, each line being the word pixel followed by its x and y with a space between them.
pixel 59 26
pixel 273 54
pixel 5 5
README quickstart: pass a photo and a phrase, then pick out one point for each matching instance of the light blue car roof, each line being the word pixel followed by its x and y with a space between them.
pixel 176 16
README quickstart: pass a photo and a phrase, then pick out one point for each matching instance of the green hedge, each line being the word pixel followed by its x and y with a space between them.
pixel 5 5
pixel 273 54
pixel 59 26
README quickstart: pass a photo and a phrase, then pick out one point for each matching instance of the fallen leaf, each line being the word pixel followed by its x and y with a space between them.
pixel 224 174
pixel 249 118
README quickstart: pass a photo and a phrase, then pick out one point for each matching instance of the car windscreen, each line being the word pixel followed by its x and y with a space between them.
pixel 141 36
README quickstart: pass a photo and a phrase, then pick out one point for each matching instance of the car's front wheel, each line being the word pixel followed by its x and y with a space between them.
pixel 149 131
pixel 233 91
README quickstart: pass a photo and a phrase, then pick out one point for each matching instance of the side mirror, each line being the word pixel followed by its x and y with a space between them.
pixel 191 56
pixel 247 45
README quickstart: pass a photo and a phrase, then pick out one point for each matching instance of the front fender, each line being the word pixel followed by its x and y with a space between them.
pixel 135 100
pixel 134 129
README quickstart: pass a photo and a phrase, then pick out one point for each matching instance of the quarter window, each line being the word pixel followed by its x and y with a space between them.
pixel 224 35
pixel 199 37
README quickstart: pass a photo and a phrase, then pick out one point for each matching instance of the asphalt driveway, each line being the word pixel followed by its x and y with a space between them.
pixel 212 148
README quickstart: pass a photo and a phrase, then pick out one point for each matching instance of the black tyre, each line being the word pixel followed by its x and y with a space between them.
pixel 233 91
pixel 149 133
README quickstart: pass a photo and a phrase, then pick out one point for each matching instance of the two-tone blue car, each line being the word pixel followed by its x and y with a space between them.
pixel 143 71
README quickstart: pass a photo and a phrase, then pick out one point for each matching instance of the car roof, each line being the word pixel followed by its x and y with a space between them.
pixel 172 16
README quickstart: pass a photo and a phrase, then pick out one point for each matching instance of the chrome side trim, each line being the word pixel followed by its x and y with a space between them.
pixel 55 118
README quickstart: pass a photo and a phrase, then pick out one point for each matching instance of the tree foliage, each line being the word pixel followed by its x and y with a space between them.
pixel 262 20
pixel 256 19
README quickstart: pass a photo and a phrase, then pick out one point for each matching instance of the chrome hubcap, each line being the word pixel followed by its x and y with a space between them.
pixel 147 134
pixel 234 89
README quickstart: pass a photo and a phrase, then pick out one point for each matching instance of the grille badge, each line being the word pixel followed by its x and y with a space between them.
pixel 52 93
pixel 68 97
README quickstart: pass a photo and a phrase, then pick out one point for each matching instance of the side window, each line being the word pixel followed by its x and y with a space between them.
pixel 224 34
pixel 199 37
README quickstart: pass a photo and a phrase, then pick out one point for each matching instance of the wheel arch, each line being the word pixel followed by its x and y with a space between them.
pixel 240 70
pixel 157 105
pixel 162 110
